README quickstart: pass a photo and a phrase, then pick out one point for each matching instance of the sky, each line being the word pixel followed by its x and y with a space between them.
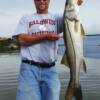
pixel 12 10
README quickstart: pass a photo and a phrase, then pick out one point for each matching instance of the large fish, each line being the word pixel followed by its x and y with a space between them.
pixel 73 57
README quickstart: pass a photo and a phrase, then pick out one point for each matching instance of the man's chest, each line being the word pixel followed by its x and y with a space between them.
pixel 42 24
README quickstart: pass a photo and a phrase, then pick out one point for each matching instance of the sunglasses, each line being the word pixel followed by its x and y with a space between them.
pixel 40 0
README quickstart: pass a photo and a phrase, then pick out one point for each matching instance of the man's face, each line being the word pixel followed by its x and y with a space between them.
pixel 42 5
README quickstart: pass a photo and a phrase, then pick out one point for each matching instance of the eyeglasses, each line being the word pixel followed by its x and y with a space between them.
pixel 40 0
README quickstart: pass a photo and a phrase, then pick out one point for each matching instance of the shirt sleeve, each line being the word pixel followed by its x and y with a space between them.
pixel 22 26
pixel 59 24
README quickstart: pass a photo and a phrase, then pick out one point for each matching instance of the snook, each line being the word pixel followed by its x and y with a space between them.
pixel 73 39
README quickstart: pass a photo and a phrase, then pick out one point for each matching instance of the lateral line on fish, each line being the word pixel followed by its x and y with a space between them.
pixel 71 40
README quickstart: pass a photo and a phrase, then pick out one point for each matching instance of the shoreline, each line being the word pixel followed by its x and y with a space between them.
pixel 7 53
pixel 59 55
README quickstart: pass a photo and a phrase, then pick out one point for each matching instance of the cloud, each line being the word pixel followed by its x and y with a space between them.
pixel 7 25
pixel 3 14
pixel 90 16
pixel 9 17
pixel 8 22
pixel 12 10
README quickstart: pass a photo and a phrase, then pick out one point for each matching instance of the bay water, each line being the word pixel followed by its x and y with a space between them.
pixel 90 81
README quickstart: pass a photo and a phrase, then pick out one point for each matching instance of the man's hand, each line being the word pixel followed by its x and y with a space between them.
pixel 79 2
pixel 53 36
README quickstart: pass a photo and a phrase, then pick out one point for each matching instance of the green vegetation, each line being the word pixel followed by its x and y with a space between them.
pixel 8 46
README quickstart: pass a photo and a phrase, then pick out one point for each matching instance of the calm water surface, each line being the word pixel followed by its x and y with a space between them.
pixel 90 81
pixel 9 70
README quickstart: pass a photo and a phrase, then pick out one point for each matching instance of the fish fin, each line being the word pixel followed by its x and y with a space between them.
pixel 76 26
pixel 64 60
pixel 69 93
pixel 78 93
pixel 73 92
pixel 82 30
pixel 83 64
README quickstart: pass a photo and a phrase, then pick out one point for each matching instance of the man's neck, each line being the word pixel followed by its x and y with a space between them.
pixel 42 12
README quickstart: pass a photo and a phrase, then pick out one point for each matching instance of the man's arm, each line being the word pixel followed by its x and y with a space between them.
pixel 27 39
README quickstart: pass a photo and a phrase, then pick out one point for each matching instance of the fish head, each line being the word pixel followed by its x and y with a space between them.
pixel 71 9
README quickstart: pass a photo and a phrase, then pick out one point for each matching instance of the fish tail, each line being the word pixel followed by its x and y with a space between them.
pixel 78 93
pixel 74 93
pixel 69 93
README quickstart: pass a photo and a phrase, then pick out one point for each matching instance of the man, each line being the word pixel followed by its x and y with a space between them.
pixel 37 35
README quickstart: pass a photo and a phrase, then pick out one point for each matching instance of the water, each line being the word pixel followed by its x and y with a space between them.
pixel 90 81
pixel 9 69
pixel 91 46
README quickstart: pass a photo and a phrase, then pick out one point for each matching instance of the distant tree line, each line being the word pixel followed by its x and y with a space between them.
pixel 8 46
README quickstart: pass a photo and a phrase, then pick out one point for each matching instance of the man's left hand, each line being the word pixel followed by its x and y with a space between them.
pixel 79 2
